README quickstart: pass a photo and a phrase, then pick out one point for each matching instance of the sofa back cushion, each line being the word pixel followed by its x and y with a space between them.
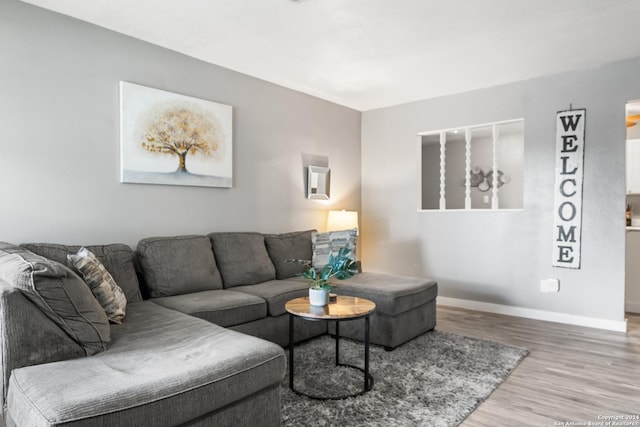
pixel 28 337
pixel 178 265
pixel 59 293
pixel 286 246
pixel 242 258
pixel 117 258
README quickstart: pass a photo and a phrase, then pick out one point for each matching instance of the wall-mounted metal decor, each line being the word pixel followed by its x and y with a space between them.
pixel 567 210
pixel 318 182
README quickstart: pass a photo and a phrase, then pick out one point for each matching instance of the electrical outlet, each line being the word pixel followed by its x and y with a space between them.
pixel 485 198
pixel 549 285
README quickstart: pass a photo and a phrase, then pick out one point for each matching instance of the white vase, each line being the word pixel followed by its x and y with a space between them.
pixel 318 297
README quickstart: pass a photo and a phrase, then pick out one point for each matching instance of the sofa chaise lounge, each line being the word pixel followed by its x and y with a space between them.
pixel 201 343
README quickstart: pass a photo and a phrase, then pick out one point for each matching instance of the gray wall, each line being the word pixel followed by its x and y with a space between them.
pixel 59 170
pixel 500 257
pixel 59 109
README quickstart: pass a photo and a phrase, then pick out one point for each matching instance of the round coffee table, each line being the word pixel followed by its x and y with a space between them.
pixel 344 308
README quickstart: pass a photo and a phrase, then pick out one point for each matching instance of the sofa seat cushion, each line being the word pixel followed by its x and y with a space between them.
pixel 392 294
pixel 163 368
pixel 222 307
pixel 277 292
pixel 117 258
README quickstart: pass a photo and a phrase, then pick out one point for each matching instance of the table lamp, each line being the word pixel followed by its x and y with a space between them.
pixel 342 220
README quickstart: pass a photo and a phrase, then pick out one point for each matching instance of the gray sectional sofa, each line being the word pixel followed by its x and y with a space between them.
pixel 201 343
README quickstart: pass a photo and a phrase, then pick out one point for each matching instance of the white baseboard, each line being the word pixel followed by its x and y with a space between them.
pixel 632 306
pixel 529 313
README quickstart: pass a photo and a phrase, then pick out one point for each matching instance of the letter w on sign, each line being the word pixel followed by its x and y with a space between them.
pixel 567 210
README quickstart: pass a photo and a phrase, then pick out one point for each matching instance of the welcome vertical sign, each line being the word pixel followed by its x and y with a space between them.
pixel 567 213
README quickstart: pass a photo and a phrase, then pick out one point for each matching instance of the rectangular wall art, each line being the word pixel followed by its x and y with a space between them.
pixel 567 210
pixel 172 139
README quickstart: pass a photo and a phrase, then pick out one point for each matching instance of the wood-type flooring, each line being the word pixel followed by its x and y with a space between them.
pixel 573 375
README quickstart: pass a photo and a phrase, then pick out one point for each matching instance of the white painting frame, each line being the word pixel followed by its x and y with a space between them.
pixel 172 139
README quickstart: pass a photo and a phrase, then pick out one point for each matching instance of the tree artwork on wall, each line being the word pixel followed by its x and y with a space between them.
pixel 174 139
pixel 179 132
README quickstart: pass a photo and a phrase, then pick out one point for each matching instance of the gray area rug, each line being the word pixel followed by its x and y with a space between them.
pixel 437 379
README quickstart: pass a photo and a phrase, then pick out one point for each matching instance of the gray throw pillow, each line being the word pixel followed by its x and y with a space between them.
pixel 59 293
pixel 326 244
pixel 242 258
pixel 287 246
pixel 102 285
pixel 178 265
pixel 117 258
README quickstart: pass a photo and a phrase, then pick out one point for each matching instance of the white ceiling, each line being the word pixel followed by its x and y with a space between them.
pixel 367 54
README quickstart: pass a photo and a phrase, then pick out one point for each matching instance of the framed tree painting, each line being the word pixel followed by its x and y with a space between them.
pixel 172 139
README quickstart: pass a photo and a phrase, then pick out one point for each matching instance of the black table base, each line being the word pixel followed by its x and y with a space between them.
pixel 368 379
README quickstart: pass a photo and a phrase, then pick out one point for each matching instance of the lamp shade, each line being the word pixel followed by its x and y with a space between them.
pixel 342 220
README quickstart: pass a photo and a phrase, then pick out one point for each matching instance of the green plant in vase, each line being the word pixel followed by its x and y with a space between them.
pixel 340 266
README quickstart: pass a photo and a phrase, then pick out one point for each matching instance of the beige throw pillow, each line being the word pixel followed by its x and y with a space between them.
pixel 326 244
pixel 103 287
